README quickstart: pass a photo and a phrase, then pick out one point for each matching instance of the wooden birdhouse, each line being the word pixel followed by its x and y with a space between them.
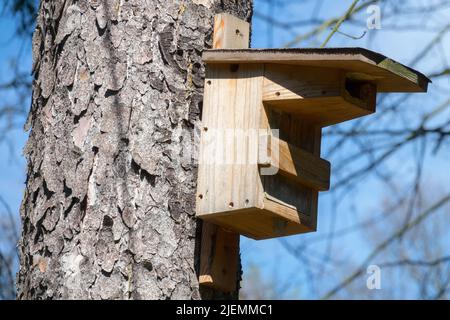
pixel 260 169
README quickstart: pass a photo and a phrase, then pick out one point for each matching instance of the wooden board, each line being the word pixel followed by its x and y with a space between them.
pixel 288 82
pixel 228 172
pixel 322 96
pixel 260 224
pixel 324 111
pixel 359 64
pixel 219 255
pixel 304 135
pixel 230 32
pixel 296 164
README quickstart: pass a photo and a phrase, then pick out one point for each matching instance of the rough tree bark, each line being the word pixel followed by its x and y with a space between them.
pixel 108 210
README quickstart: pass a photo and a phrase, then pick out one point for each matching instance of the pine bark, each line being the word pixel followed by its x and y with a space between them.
pixel 108 209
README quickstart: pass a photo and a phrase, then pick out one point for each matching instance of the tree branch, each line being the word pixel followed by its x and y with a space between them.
pixel 347 14
pixel 383 245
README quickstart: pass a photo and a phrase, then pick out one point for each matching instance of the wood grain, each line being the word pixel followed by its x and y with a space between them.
pixel 300 166
pixel 230 32
pixel 219 254
pixel 362 64
pixel 220 257
pixel 323 96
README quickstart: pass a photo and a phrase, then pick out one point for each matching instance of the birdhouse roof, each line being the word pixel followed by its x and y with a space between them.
pixel 358 63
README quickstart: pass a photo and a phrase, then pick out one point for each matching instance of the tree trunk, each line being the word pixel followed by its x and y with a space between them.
pixel 108 210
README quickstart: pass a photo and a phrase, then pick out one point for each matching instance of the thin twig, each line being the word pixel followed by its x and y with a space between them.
pixel 347 14
pixel 383 245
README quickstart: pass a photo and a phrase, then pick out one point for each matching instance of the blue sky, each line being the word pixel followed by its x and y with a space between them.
pixel 12 164
pixel 269 255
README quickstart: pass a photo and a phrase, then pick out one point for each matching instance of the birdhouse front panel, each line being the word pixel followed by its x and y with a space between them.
pixel 228 167
pixel 260 169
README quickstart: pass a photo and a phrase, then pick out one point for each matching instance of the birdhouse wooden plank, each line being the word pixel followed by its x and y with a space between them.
pixel 260 169
pixel 360 64
pixel 296 164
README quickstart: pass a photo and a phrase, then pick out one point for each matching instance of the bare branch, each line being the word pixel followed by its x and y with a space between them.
pixel 347 14
pixel 383 245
